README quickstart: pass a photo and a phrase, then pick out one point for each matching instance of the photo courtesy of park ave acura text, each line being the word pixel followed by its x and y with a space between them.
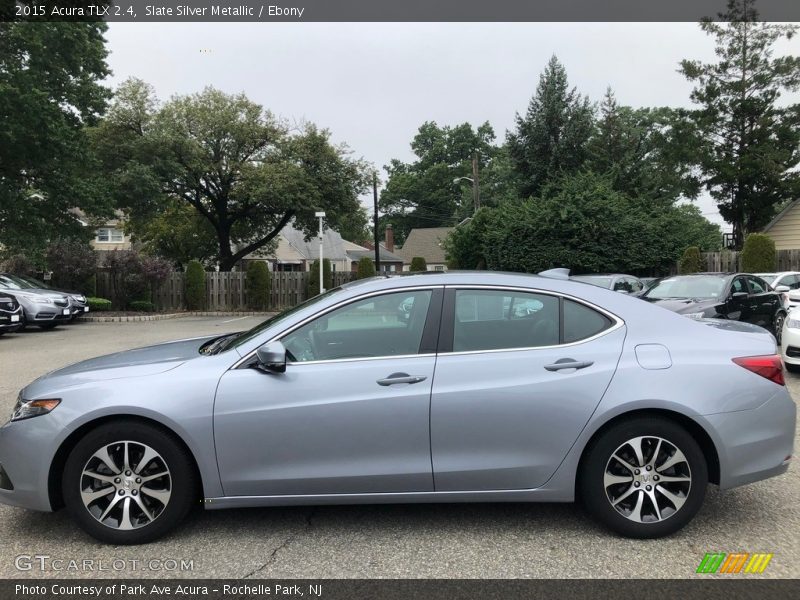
pixel 365 299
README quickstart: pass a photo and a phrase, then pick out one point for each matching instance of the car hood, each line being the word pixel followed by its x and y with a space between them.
pixel 38 292
pixel 684 305
pixel 139 362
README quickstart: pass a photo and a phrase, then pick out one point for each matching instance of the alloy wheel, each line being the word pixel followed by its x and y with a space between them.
pixel 647 479
pixel 779 328
pixel 126 485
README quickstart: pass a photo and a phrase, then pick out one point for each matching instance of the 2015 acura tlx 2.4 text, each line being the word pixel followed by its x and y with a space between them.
pixel 426 388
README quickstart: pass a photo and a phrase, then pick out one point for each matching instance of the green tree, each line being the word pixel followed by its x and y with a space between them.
pixel 72 263
pixel 313 277
pixel 195 286
pixel 550 140
pixel 354 226
pixel 428 192
pixel 746 145
pixel 691 261
pixel 50 89
pixel 257 284
pixel 229 159
pixel 758 253
pixel 366 268
pixel 418 265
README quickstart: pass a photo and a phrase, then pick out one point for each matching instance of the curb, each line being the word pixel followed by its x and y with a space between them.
pixel 163 317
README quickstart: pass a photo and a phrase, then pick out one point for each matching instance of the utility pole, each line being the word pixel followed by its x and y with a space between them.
pixel 375 226
pixel 320 215
pixel 476 189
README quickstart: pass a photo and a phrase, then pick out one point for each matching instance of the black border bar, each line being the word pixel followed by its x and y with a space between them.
pixel 386 10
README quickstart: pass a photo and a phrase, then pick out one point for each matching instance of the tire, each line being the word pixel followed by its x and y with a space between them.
pixel 670 516
pixel 792 368
pixel 166 499
pixel 778 327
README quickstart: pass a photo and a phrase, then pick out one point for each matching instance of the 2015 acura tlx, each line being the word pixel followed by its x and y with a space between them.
pixel 453 387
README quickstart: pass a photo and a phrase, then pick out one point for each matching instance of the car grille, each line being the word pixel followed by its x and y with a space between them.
pixel 793 351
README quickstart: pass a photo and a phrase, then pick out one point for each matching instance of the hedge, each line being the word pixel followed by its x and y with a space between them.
pixel 195 285
pixel 313 279
pixel 758 254
pixel 257 285
pixel 98 304
pixel 142 306
pixel 366 268
pixel 418 264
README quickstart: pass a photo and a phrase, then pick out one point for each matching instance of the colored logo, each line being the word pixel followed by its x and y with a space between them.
pixel 737 562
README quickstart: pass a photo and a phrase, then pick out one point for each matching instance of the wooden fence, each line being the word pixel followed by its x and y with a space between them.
pixel 730 261
pixel 226 291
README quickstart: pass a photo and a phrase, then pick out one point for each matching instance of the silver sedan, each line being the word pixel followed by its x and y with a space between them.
pixel 453 387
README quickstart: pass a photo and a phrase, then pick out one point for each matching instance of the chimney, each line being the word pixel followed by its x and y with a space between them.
pixel 389 243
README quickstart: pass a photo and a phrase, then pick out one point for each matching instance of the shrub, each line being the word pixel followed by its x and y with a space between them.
pixel 19 264
pixel 127 280
pixel 72 263
pixel 313 279
pixel 195 285
pixel 142 306
pixel 98 304
pixel 257 285
pixel 691 261
pixel 366 268
pixel 418 264
pixel 758 253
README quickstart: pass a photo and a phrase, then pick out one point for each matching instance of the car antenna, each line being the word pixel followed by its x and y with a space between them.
pixel 559 273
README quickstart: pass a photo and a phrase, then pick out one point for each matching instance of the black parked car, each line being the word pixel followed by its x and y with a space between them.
pixel 734 296
pixel 10 314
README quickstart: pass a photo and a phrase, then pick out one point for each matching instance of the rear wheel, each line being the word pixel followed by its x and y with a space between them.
pixel 644 478
pixel 129 483
pixel 779 320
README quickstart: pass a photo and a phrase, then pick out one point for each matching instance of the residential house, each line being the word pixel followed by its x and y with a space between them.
pixel 784 229
pixel 109 234
pixel 391 262
pixel 427 243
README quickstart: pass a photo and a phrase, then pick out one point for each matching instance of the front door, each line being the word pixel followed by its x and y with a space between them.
pixel 515 384
pixel 349 415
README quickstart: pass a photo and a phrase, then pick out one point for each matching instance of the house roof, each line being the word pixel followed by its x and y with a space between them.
pixel 385 255
pixel 780 215
pixel 427 243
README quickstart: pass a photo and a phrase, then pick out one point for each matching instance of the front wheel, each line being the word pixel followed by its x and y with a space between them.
pixel 129 483
pixel 644 478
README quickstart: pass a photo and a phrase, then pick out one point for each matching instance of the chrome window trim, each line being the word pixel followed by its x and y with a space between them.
pixel 285 332
pixel 618 322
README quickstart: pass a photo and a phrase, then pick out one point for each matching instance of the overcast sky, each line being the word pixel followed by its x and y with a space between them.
pixel 374 84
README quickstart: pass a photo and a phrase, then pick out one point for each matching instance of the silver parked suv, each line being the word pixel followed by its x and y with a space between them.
pixel 42 307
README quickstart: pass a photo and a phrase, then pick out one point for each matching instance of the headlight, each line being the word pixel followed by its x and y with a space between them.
pixel 79 298
pixel 27 409
pixel 793 323
pixel 697 315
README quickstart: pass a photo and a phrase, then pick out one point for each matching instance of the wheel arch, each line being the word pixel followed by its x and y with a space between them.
pixel 696 430
pixel 56 471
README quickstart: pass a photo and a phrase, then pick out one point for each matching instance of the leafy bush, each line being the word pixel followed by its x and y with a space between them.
pixel 72 263
pixel 313 279
pixel 195 285
pixel 142 306
pixel 758 253
pixel 418 264
pixel 691 261
pixel 98 304
pixel 366 268
pixel 135 275
pixel 257 285
pixel 18 264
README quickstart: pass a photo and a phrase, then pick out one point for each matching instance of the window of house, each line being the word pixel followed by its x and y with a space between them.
pixel 110 235
pixel 386 325
pixel 438 268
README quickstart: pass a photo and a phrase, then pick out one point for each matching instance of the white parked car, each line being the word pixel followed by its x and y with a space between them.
pixel 785 282
pixel 790 340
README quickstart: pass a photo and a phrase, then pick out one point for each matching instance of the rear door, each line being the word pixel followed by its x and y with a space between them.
pixel 517 377
pixel 738 309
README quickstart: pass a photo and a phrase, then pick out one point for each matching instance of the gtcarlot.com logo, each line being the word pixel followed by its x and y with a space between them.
pixel 45 562
pixel 737 562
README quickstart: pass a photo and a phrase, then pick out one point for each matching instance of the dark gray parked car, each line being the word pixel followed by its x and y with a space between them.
pixel 10 314
pixel 41 307
pixel 78 303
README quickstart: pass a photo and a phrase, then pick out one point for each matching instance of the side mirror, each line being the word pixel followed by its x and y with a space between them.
pixel 782 288
pixel 272 358
pixel 739 295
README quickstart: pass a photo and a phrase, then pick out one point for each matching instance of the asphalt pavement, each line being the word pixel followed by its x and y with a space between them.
pixel 444 540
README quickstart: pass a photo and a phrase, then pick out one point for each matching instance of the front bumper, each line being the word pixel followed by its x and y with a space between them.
pixel 26 452
pixel 10 320
pixel 790 345
pixel 44 313
pixel 77 309
pixel 755 444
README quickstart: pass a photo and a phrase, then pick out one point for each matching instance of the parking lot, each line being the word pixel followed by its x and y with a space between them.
pixel 470 541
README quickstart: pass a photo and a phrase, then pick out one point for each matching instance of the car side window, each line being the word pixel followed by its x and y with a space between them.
pixel 386 325
pixel 636 285
pixel 581 322
pixel 739 285
pixel 499 319
pixel 794 282
pixel 622 284
pixel 757 286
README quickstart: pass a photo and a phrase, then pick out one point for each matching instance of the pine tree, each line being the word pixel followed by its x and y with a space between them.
pixel 550 140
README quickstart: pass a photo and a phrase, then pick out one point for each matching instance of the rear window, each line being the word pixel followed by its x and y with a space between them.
pixel 581 322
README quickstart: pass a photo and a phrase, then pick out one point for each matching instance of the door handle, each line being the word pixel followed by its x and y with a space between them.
pixel 400 378
pixel 568 363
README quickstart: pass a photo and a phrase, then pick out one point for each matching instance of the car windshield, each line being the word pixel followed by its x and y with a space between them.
pixel 33 282
pixel 233 340
pixel 11 282
pixel 597 280
pixel 694 286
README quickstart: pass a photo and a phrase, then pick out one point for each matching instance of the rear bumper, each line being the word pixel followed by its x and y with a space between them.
pixel 755 444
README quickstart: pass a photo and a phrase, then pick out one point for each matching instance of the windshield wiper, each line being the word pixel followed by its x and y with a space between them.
pixel 218 344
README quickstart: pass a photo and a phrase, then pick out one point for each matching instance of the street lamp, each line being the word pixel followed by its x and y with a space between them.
pixel 320 215
pixel 476 190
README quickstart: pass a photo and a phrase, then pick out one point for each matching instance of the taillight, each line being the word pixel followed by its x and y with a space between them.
pixel 770 366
